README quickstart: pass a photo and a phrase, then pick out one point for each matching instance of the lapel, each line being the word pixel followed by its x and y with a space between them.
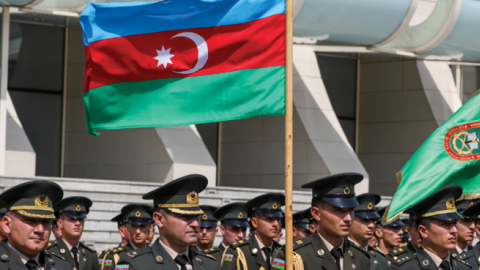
pixel 256 252
pixel 197 262
pixel 424 260
pixel 161 257
pixel 82 260
pixel 373 258
pixel 47 262
pixel 321 252
pixel 348 256
pixel 64 252
pixel 9 258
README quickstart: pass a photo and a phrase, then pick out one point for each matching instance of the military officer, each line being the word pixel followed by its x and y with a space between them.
pixel 465 227
pixel 363 226
pixel 256 252
pixel 233 226
pixel 151 235
pixel 139 220
pixel 208 228
pixel 412 246
pixel 177 215
pixel 3 235
pixel 389 236
pixel 122 230
pixel 55 230
pixel 27 224
pixel 436 218
pixel 472 257
pixel 301 225
pixel 71 220
pixel 405 236
pixel 332 206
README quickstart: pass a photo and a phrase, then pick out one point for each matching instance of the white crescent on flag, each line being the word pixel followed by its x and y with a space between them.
pixel 202 51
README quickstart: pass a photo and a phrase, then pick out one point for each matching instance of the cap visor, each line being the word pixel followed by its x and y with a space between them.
pixel 448 216
pixel 208 224
pixel 140 221
pixel 342 202
pixel 396 223
pixel 303 225
pixel 78 215
pixel 464 216
pixel 367 214
pixel 236 223
pixel 406 236
pixel 270 213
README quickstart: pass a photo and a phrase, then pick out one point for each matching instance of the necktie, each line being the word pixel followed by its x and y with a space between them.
pixel 445 265
pixel 337 253
pixel 31 265
pixel 268 255
pixel 75 255
pixel 182 261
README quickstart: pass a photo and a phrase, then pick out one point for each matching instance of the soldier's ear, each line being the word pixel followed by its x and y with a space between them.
pixel 477 228
pixel 159 219
pixel 315 211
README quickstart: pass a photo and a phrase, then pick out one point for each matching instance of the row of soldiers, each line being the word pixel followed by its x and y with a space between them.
pixel 338 232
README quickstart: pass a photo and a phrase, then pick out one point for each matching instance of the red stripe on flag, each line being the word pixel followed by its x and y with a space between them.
pixel 251 45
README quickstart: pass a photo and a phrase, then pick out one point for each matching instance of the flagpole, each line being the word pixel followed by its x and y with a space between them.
pixel 288 133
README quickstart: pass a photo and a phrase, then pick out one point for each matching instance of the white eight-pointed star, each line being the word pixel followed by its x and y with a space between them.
pixel 163 57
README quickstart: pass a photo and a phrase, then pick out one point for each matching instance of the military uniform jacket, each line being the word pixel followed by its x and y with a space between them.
pixel 156 257
pixel 251 251
pixel 87 260
pixel 10 260
pixel 111 256
pixel 377 260
pixel 472 257
pixel 314 255
pixel 422 261
pixel 216 252
pixel 454 252
pixel 401 251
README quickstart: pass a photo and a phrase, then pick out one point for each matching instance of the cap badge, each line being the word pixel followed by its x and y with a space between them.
pixel 370 206
pixel 321 252
pixel 254 251
pixel 450 204
pixel 78 208
pixel 407 229
pixel 346 190
pixel 159 258
pixel 41 200
pixel 137 214
pixel 205 216
pixel 240 215
pixel 425 262
pixel 192 197
pixel 275 206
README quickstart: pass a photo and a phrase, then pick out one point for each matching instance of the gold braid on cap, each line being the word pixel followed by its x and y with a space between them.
pixel 31 207
pixel 439 212
pixel 24 213
pixel 176 205
pixel 185 212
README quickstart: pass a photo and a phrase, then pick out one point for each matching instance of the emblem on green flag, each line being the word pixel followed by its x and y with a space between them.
pixel 462 143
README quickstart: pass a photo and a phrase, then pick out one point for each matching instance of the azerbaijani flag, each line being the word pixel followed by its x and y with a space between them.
pixel 279 264
pixel 181 62
pixel 108 263
pixel 228 257
pixel 100 262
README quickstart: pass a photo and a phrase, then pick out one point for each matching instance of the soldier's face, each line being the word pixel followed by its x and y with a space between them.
pixel 333 221
pixel 124 233
pixel 27 235
pixel 268 227
pixel 232 234
pixel 206 235
pixel 362 229
pixel 441 236
pixel 178 230
pixel 392 236
pixel 151 234
pixel 466 228
pixel 299 233
pixel 138 233
pixel 71 228
pixel 372 241
pixel 415 237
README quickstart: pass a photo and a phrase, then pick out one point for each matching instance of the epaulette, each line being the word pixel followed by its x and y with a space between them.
pixel 360 248
pixel 117 250
pixel 211 250
pixel 138 252
pixel 54 254
pixel 89 248
pixel 397 251
pixel 51 244
pixel 403 259
pixel 240 243
pixel 300 243
pixel 463 255
pixel 204 255
pixel 457 258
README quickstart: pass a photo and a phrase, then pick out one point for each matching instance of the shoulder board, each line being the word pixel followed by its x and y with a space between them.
pixel 240 243
pixel 54 254
pixel 300 243
pixel 403 259
pixel 358 247
pixel 203 255
pixel 118 250
pixel 397 251
pixel 51 244
pixel 85 246
pixel 138 252
pixel 460 260
pixel 211 250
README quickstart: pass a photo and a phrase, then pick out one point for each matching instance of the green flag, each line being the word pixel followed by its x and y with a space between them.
pixel 451 155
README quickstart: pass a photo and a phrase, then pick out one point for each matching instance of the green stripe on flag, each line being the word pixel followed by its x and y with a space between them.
pixel 184 101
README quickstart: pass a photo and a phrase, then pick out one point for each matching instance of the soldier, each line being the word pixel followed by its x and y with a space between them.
pixel 405 237
pixel 27 224
pixel 72 212
pixel 465 227
pixel 177 215
pixel 388 235
pixel 139 220
pixel 301 225
pixel 3 235
pixel 332 206
pixel 436 218
pixel 372 242
pixel 413 245
pixel 122 221
pixel 208 228
pixel 233 225
pixel 55 230
pixel 472 257
pixel 256 252
pixel 151 234
pixel 363 226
